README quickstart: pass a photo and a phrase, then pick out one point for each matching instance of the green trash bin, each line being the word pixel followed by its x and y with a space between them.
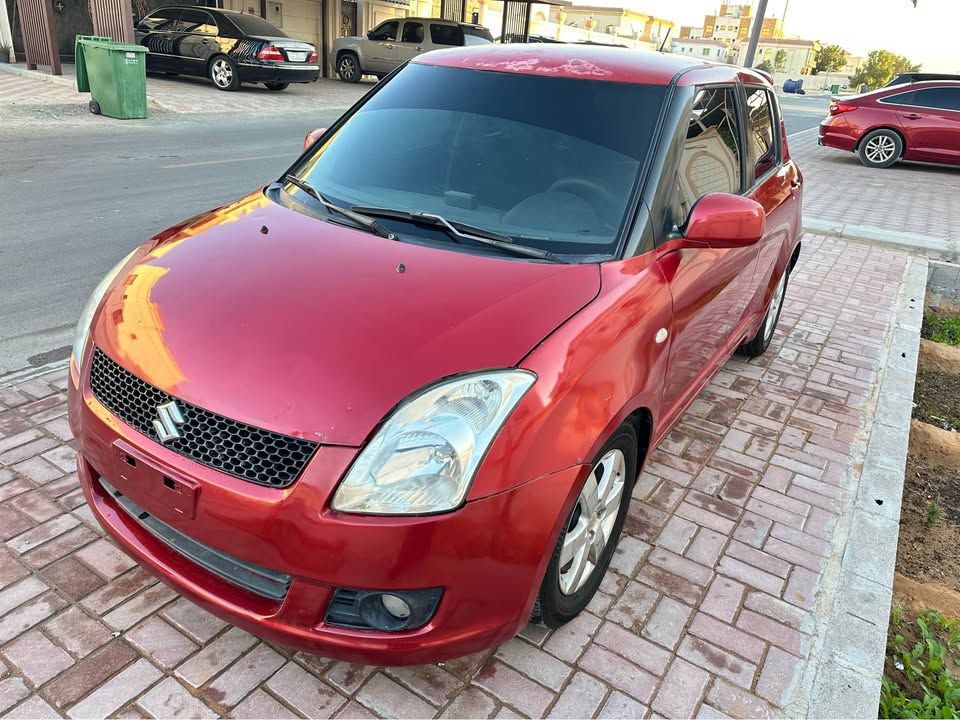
pixel 83 84
pixel 834 89
pixel 117 75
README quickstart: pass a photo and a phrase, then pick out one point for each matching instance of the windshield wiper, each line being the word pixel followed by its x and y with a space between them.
pixel 459 231
pixel 367 222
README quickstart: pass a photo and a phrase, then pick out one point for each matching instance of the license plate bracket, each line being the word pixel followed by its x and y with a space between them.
pixel 296 56
pixel 160 490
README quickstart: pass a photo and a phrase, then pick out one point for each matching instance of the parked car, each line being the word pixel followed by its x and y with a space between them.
pixel 393 405
pixel 912 77
pixel 918 122
pixel 227 47
pixel 394 42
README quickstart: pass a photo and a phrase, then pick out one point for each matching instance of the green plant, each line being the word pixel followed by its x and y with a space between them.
pixel 882 66
pixel 942 330
pixel 933 512
pixel 918 682
pixel 830 58
pixel 766 66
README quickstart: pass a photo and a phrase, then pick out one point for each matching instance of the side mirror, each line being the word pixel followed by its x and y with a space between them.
pixel 723 220
pixel 312 137
pixel 371 35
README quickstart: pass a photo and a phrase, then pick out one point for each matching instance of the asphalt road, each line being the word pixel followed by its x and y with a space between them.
pixel 76 198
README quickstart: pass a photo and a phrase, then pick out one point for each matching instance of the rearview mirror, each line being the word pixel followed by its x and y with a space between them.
pixel 312 137
pixel 725 220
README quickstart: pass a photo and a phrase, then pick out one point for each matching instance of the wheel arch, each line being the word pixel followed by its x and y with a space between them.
pixel 642 421
pixel 891 128
pixel 346 51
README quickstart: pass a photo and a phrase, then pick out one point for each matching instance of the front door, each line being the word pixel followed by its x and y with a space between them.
pixel 197 41
pixel 411 42
pixel 711 287
pixel 157 32
pixel 932 125
pixel 382 40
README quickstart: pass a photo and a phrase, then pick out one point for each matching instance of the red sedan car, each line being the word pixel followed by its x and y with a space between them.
pixel 393 405
pixel 919 122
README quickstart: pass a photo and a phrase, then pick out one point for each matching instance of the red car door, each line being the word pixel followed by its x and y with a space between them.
pixel 711 287
pixel 931 124
pixel 776 186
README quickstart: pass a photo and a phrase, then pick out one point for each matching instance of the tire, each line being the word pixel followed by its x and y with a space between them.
pixel 564 593
pixel 277 86
pixel 348 68
pixel 880 148
pixel 761 341
pixel 94 107
pixel 223 73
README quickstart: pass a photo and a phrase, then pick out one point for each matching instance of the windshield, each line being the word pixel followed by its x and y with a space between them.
pixel 253 25
pixel 549 162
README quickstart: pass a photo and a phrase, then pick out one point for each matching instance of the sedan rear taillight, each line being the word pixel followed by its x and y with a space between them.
pixel 836 108
pixel 271 53
pixel 313 57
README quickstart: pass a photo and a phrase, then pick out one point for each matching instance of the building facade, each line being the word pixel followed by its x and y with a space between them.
pixel 798 57
pixel 732 22
pixel 703 48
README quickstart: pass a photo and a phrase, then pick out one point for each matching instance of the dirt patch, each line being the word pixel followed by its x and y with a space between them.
pixel 917 596
pixel 946 307
pixel 939 358
pixel 934 445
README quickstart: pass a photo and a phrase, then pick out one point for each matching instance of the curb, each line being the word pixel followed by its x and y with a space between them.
pixel 19 376
pixel 14 69
pixel 853 607
pixel 930 246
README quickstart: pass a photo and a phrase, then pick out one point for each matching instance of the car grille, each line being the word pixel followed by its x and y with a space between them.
pixel 244 451
pixel 252 578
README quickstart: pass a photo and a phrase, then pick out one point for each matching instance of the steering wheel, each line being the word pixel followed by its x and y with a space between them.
pixel 604 202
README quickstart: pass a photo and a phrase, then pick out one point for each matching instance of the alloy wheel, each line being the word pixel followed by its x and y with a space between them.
pixel 773 312
pixel 591 522
pixel 347 67
pixel 222 73
pixel 880 149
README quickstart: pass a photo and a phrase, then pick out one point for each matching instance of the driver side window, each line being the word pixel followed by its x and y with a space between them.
pixel 710 157
pixel 386 31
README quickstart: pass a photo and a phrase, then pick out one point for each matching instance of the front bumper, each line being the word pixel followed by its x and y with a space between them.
pixel 488 556
pixel 278 72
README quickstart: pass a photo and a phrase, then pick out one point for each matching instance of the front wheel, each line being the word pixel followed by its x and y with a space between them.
pixel 761 341
pixel 590 533
pixel 223 73
pixel 880 148
pixel 277 86
pixel 348 68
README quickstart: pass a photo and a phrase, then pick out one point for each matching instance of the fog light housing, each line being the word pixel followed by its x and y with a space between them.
pixel 388 611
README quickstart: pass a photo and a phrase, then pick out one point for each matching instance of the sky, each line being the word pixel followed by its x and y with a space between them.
pixel 927 34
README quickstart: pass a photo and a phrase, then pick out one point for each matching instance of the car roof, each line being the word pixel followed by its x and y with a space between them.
pixel 590 62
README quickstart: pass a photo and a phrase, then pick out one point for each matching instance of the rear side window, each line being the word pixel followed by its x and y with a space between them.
pixel 710 158
pixel 904 98
pixel 387 31
pixel 941 98
pixel 195 21
pixel 412 32
pixel 164 19
pixel 761 143
pixel 445 34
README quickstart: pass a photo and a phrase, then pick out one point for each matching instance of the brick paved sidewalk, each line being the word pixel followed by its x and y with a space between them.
pixel 708 610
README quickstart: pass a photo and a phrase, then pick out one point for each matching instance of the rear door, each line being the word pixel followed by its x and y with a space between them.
pixel 445 35
pixel 931 123
pixel 380 46
pixel 710 286
pixel 772 183
pixel 197 41
pixel 411 41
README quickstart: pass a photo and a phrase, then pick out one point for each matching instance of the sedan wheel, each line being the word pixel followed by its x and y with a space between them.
pixel 881 148
pixel 591 532
pixel 223 73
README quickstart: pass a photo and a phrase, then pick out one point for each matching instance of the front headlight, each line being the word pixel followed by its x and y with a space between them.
pixel 424 457
pixel 86 317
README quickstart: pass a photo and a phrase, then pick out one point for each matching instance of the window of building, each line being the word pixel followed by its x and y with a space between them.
pixel 441 34
pixel 412 32
pixel 940 98
pixel 706 51
pixel 761 144
pixel 710 158
pixel 385 31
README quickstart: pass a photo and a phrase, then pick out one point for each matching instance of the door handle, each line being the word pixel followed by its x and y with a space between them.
pixel 911 116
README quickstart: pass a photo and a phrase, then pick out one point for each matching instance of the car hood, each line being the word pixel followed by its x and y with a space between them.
pixel 316 330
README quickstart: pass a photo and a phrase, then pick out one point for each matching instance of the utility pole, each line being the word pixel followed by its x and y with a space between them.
pixel 755 33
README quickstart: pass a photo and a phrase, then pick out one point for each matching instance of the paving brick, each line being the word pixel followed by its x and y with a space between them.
pixel 106 559
pixel 633 607
pixel 800 539
pixel 619 673
pixel 777 514
pixel 389 699
pixel 354 711
pixel 717 661
pixel 34 708
pixel 55 549
pixel 77 632
pixel 620 707
pixel 687 569
pixel 12 489
pixel 89 673
pixel 466 667
pixel 138 607
pixel 723 598
pixel 28 615
pixel 35 506
pixel 777 609
pixel 670 584
pixel 160 642
pixel 534 663
pixel 36 658
pixel 535 633
pixel 705 518
pixel 568 641
pixel 681 690
pixel 777 676
pixel 431 682
pixel 774 632
pixel 628 555
pixel 471 703
pixel 706 547
pixel 19 452
pixel 632 647
pixel 677 534
pixel 509 686
pixel 727 637
pixel 12 523
pixel 170 699
pixel 348 677
pixel 116 692
pixel 760 559
pixel 304 693
pixel 63 456
pixel 750 575
pixel 667 622
pixel 19 593
pixel 737 702
pixel 506 713
pixel 580 699
pixel 10 570
pixel 196 622
pixel 215 657
pixel 42 533
pixel 261 706
pixel 801 590
pixel 118 590
pixel 708 712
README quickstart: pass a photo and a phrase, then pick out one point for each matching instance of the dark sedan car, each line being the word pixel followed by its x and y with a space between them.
pixel 227 47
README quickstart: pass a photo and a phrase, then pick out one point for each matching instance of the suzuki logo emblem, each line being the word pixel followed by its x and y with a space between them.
pixel 168 422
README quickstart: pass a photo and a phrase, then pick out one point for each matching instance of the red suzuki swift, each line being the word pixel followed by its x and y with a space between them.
pixel 393 405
